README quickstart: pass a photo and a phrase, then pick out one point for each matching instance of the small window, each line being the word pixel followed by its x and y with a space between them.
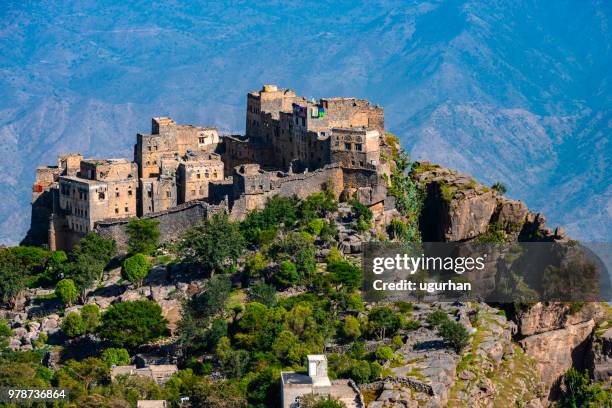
pixel 202 140
pixel 347 146
pixel 130 193
pixel 198 175
pixel 116 211
pixel 168 194
pixel 358 147
pixel 127 209
pixel 117 194
pixel 149 194
pixel 101 196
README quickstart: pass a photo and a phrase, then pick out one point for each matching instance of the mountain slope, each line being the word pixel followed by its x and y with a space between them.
pixel 512 91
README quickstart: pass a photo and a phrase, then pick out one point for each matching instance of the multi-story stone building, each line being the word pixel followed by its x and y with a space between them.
pixel 292 146
pixel 102 189
pixel 195 173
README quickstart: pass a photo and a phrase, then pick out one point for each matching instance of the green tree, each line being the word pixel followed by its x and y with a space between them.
pixel 214 244
pixel 263 293
pixel 288 348
pixel 287 274
pixel 12 277
pixel 90 314
pixel 383 322
pixel 87 261
pixel 136 268
pixel 454 334
pixel 66 291
pixel 131 324
pixel 578 392
pixel 299 249
pixel 143 236
pixel 212 300
pixel 73 325
pixel 116 356
pixel 345 274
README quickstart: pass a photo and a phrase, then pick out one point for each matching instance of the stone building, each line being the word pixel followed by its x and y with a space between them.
pixel 294 385
pixel 195 173
pixel 102 189
pixel 292 147
pixel 355 147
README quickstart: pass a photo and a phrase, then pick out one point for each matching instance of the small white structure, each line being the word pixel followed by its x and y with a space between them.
pixel 151 404
pixel 295 385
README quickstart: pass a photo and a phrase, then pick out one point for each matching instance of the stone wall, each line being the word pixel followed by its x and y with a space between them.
pixel 172 222
pixel 299 185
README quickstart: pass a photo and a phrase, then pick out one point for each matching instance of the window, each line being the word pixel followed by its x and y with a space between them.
pixel 117 194
pixel 202 139
pixel 358 147
pixel 168 194
pixel 101 196
pixel 347 146
pixel 127 209
pixel 198 175
pixel 149 194
pixel 130 193
pixel 116 211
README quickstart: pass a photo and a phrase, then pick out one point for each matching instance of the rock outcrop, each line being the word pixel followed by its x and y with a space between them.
pixel 457 208
pixel 556 351
pixel 599 356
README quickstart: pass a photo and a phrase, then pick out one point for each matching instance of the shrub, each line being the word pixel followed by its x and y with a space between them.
pixel 66 291
pixel 437 318
pixel 499 187
pixel 143 236
pixel 131 324
pixel 73 325
pixel 351 329
pixel 136 268
pixel 363 216
pixel 116 356
pixel 454 334
pixel 384 353
pixel 255 265
pixel 315 226
pixel 577 391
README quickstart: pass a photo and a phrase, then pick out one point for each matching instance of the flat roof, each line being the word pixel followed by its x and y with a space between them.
pixel 291 377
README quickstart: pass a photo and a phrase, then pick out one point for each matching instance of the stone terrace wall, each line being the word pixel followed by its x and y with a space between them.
pixel 300 185
pixel 172 222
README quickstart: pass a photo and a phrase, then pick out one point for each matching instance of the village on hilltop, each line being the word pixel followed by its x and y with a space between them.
pixel 292 147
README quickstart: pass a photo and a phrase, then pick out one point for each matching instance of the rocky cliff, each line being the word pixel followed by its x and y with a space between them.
pixel 556 336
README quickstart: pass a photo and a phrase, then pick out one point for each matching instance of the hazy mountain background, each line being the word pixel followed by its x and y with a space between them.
pixel 515 91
